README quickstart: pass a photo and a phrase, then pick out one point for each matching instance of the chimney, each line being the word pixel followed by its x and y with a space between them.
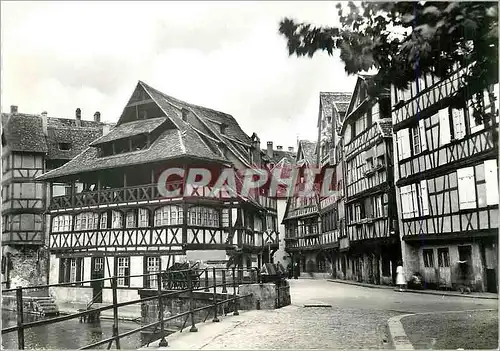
pixel 185 113
pixel 78 114
pixel 290 148
pixel 13 109
pixel 105 129
pixel 279 147
pixel 270 149
pixel 44 122
pixel 97 117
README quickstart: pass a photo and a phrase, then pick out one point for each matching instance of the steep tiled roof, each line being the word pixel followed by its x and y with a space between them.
pixel 129 129
pixel 278 155
pixel 200 139
pixel 309 150
pixel 78 139
pixel 24 133
pixel 329 100
pixel 208 115
pixel 172 143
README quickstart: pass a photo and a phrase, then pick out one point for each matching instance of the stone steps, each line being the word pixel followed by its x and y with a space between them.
pixel 45 306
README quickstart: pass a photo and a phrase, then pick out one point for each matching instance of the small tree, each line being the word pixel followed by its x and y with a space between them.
pixel 404 40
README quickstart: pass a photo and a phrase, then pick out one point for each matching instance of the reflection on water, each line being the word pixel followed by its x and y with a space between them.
pixel 69 334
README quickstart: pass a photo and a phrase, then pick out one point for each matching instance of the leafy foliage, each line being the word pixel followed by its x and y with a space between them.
pixel 404 40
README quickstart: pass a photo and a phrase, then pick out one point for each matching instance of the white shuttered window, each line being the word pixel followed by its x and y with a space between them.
pixel 403 139
pixel 423 139
pixel 491 177
pixel 444 127
pixel 424 198
pixel 466 188
pixel 458 117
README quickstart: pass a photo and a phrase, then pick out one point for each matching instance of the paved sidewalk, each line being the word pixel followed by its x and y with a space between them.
pixel 477 295
pixel 451 331
pixel 291 327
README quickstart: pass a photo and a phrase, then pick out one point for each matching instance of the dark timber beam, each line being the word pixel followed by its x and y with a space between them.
pixel 140 103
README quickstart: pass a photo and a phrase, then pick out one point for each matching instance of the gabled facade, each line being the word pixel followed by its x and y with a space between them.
pixel 120 223
pixel 301 217
pixel 31 146
pixel 370 246
pixel 447 182
pixel 284 160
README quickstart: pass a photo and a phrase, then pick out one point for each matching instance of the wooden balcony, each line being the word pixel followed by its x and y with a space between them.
pixel 162 238
pixel 311 242
pixel 126 195
pixel 368 228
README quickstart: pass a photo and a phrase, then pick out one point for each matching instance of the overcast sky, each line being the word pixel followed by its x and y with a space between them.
pixel 224 55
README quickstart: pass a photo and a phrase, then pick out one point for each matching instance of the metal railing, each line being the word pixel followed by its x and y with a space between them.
pixel 196 280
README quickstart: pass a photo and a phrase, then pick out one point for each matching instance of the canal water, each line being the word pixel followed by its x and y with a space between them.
pixel 70 334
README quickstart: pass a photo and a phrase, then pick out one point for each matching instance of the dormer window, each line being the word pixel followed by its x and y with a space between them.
pixel 139 142
pixel 64 146
pixel 223 128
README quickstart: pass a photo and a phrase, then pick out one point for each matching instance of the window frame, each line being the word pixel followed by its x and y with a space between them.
pixel 428 258
pixel 122 272
pixel 443 254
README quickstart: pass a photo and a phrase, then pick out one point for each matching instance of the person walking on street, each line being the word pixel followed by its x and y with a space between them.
pixel 400 279
pixel 296 271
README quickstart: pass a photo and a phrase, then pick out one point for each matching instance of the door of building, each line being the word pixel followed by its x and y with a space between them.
pixel 97 269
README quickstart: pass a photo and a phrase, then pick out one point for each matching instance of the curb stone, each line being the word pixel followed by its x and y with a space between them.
pixel 397 333
pixel 428 292
pixel 400 338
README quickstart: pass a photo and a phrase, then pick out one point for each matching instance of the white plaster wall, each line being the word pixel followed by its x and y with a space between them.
pixel 65 294
pixel 431 274
pixel 136 267
pixel 53 270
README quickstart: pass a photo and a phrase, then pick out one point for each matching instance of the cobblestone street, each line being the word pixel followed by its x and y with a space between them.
pixel 356 319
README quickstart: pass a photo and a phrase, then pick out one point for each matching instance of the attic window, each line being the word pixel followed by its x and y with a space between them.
pixel 139 142
pixel 64 146
pixel 223 128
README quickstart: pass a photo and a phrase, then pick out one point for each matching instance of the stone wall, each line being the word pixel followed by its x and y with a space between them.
pixel 29 266
pixel 264 296
pixel 180 303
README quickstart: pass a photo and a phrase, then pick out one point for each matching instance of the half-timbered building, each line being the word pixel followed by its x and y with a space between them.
pixel 284 160
pixel 32 145
pixel 370 246
pixel 447 183
pixel 120 224
pixel 301 219
pixel 332 109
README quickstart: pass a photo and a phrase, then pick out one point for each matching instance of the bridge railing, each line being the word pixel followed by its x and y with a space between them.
pixel 209 279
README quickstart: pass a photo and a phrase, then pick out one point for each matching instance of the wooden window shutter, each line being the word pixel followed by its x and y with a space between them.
pixel 398 145
pixel 491 178
pixel 423 138
pixel 79 269
pixel 61 270
pixel 115 266
pixel 406 143
pixel 466 188
pixel 458 117
pixel 424 198
pixel 127 272
pixel 444 127
pixel 145 281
